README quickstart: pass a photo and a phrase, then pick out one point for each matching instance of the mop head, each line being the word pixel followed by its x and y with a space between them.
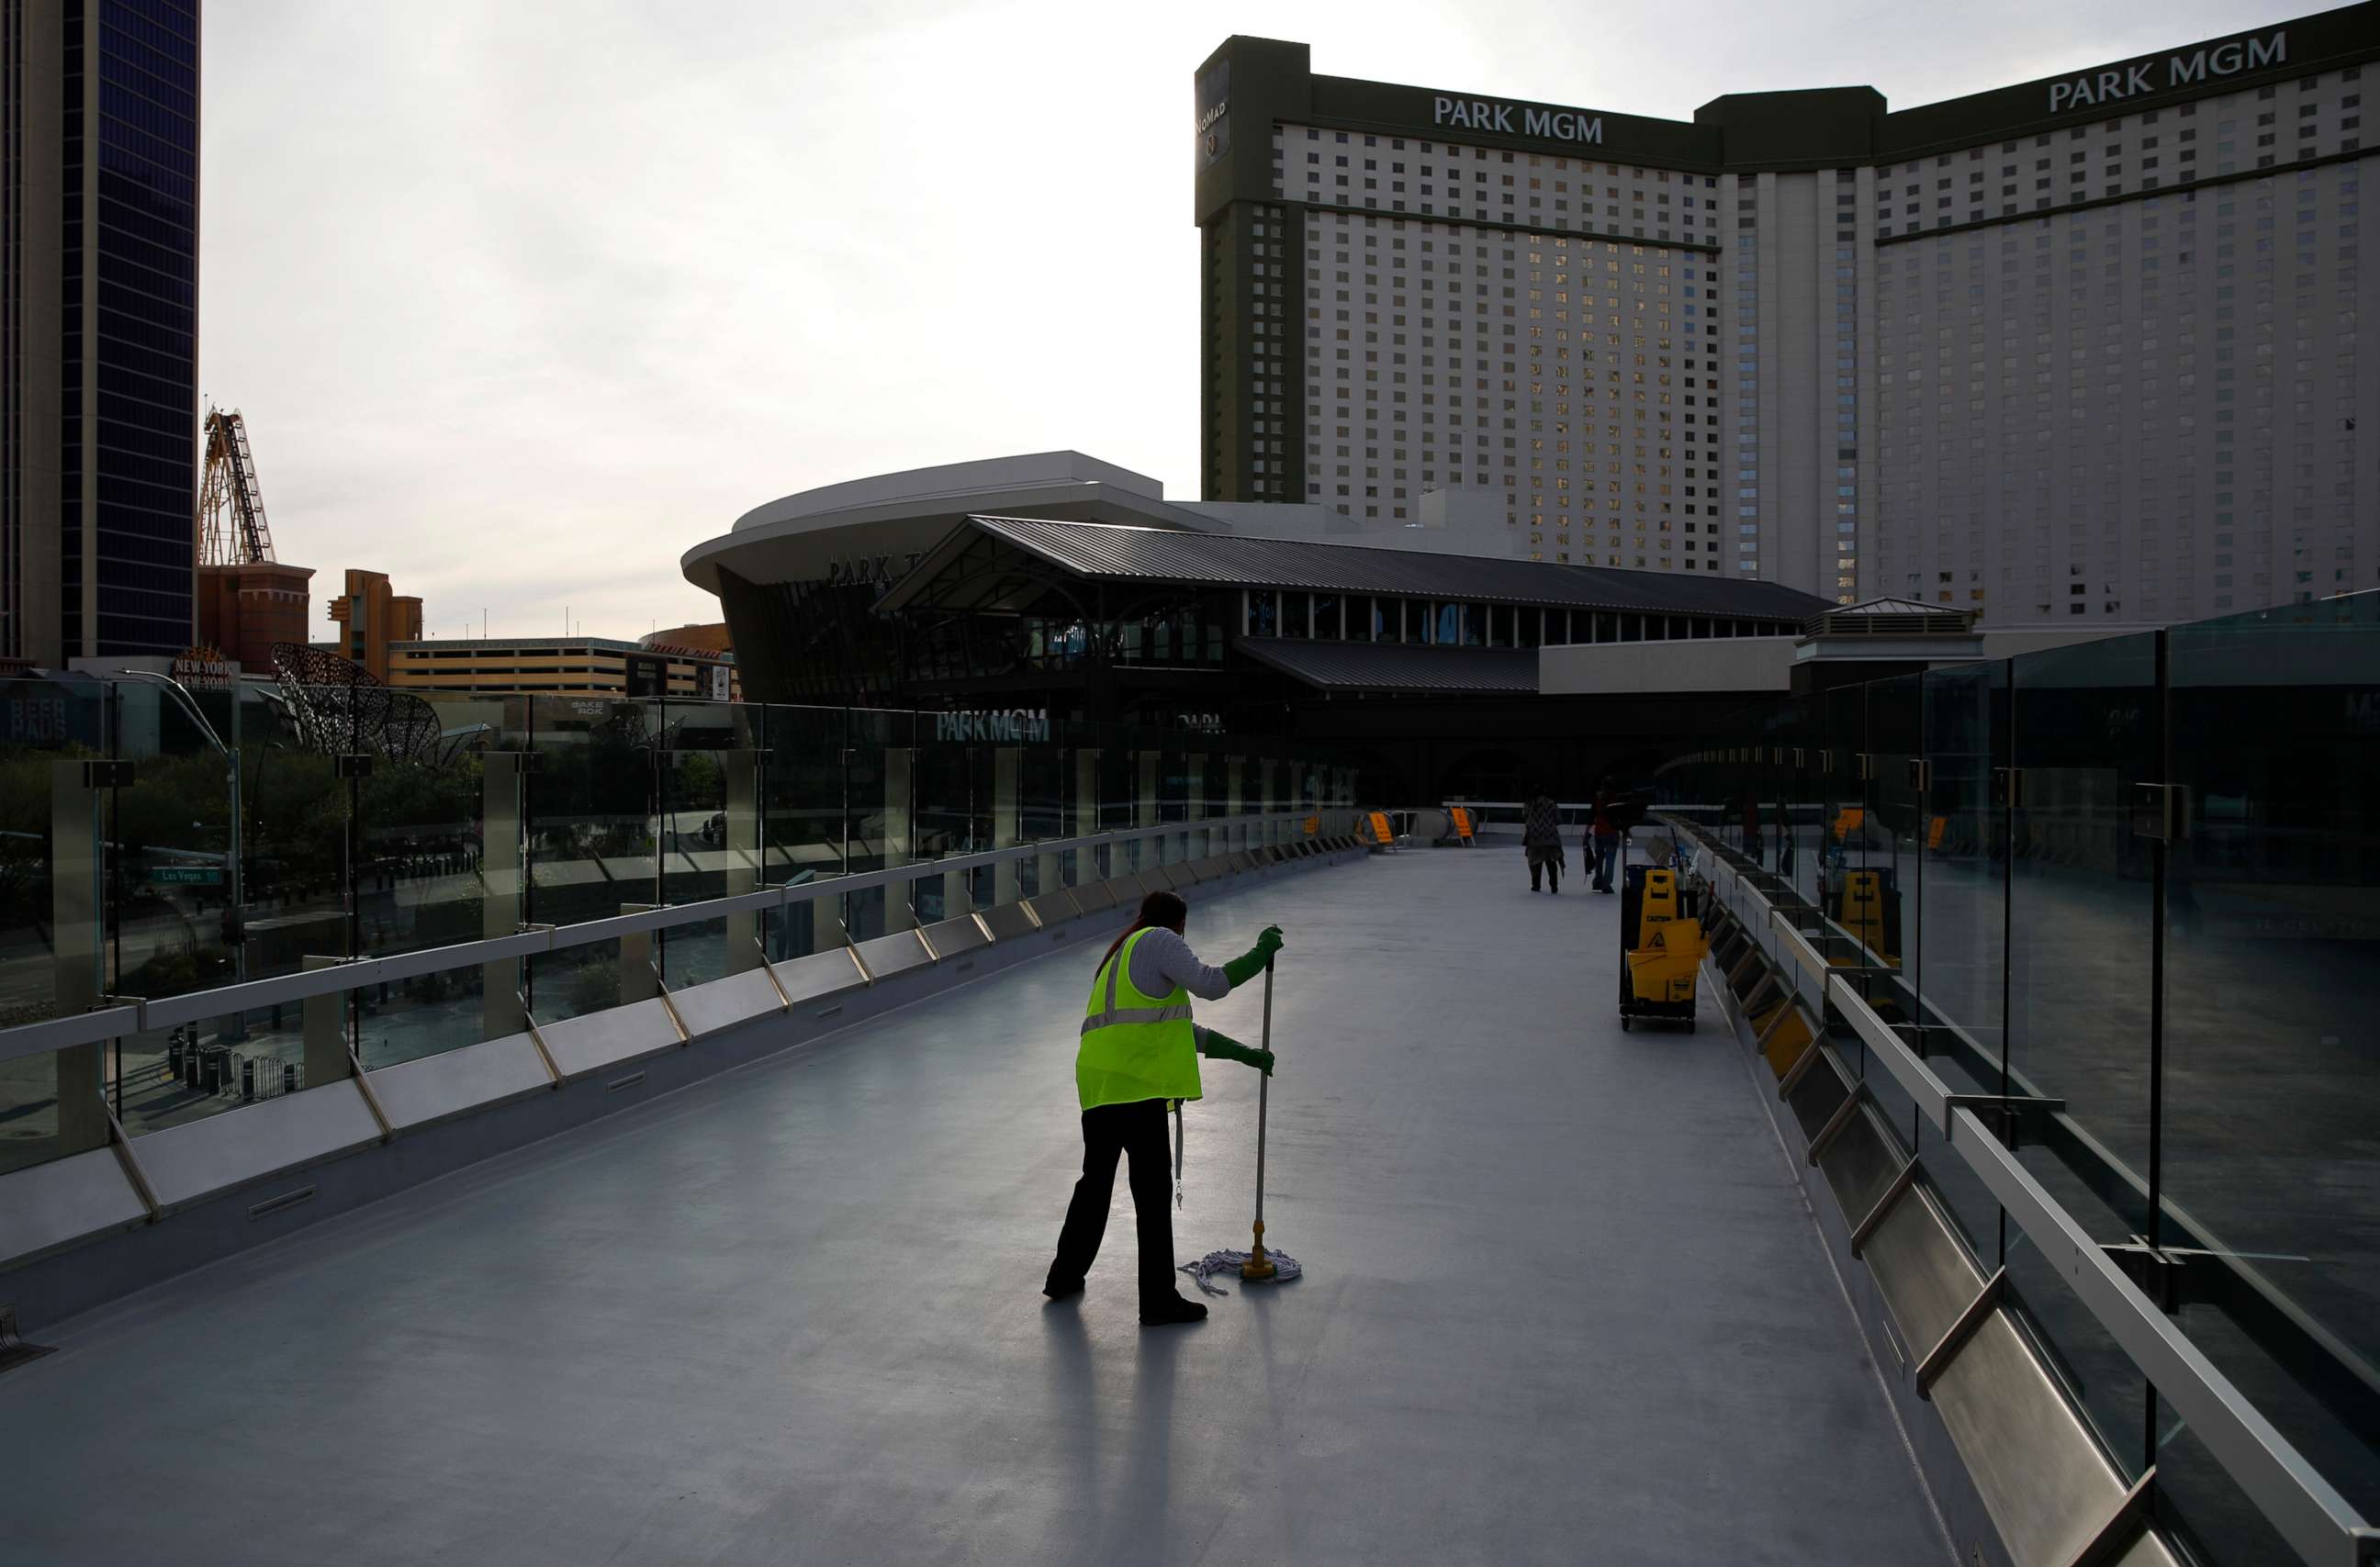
pixel 1285 1269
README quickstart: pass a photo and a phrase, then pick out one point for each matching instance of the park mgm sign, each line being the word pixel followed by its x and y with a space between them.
pixel 2165 73
pixel 1518 119
pixel 1005 726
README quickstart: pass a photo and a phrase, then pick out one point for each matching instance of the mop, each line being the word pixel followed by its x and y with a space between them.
pixel 1257 1266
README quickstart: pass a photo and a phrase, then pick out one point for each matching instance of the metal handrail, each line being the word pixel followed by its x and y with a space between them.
pixel 131 1016
pixel 2288 1490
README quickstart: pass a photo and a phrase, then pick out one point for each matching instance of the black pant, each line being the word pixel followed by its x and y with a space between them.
pixel 1136 1131
pixel 1552 869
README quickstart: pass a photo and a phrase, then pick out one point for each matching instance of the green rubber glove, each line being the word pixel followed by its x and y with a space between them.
pixel 1222 1047
pixel 1250 964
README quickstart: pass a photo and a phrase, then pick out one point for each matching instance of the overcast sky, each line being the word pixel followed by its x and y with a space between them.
pixel 523 300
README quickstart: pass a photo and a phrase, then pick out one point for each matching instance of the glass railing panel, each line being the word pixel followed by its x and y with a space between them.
pixel 574 980
pixel 419 868
pixel 798 930
pixel 50 946
pixel 1044 783
pixel 591 815
pixel 954 788
pixel 2081 916
pixel 169 876
pixel 2199 1501
pixel 1893 835
pixel 706 950
pixel 1961 847
pixel 803 784
pixel 2100 1377
pixel 1844 810
pixel 880 789
pixel 429 1014
pixel 707 777
pixel 1806 798
pixel 293 839
pixel 28 1112
pixel 421 864
pixel 166 1077
pixel 2271 1074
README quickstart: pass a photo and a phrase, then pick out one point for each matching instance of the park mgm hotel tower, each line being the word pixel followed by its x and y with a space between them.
pixel 2089 346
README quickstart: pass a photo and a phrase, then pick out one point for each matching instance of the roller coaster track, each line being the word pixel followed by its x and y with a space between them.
pixel 232 530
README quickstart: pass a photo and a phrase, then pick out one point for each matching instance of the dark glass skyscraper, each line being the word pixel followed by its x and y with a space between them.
pixel 98 326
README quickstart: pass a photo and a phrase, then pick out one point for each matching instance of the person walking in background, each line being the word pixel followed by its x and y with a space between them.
pixel 1605 837
pixel 1541 841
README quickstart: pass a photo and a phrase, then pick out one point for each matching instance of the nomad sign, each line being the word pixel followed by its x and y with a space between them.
pixel 2202 65
pixel 1519 119
pixel 1010 727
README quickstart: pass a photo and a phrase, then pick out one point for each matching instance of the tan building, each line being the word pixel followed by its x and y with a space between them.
pixel 372 620
pixel 704 637
pixel 563 665
pixel 243 610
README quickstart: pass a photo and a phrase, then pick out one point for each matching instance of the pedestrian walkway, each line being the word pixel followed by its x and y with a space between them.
pixel 1562 1303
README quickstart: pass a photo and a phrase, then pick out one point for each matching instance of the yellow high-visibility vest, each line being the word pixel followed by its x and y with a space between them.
pixel 1135 1046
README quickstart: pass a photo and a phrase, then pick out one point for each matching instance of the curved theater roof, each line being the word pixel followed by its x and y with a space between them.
pixel 1093 550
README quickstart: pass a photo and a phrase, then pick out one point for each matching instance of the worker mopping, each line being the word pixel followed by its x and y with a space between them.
pixel 1139 1050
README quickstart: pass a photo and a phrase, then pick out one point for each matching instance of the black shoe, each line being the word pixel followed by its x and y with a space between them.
pixel 1059 1289
pixel 1171 1309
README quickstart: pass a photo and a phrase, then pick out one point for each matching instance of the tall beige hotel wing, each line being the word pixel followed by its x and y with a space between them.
pixel 2086 347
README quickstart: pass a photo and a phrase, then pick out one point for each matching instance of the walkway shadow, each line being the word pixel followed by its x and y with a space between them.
pixel 1120 1456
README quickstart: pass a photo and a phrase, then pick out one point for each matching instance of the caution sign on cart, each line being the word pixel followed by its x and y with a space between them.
pixel 1661 947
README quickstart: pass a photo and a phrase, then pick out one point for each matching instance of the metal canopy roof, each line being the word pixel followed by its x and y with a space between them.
pixel 1396 666
pixel 1095 550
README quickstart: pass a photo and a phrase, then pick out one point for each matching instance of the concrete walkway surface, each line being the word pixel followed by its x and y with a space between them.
pixel 1563 1305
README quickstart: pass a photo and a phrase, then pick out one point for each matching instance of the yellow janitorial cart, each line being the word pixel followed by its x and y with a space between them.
pixel 1660 946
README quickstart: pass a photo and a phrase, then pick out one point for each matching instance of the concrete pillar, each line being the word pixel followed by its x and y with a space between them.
pixel 1234 804
pixel 327 1060
pixel 501 1012
pixel 1151 851
pixel 900 912
pixel 77 923
pixel 1007 762
pixel 741 770
pixel 637 980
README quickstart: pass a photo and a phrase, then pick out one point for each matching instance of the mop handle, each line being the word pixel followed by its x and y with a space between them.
pixel 1263 1081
